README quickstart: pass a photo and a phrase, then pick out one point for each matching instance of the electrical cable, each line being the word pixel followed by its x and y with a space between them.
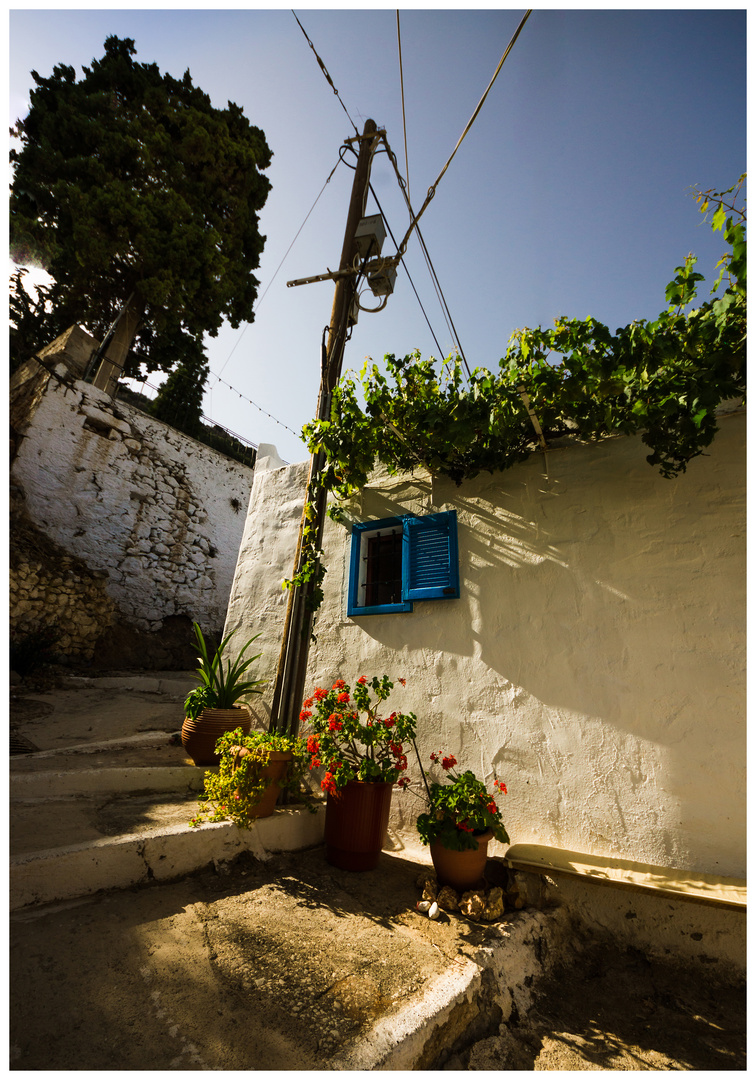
pixel 409 276
pixel 283 260
pixel 432 188
pixel 324 69
pixel 404 118
pixel 434 277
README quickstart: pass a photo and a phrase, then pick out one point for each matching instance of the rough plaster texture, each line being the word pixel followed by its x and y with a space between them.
pixel 595 660
pixel 158 513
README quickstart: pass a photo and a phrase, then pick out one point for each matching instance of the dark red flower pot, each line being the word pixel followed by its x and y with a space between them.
pixel 356 823
pixel 463 870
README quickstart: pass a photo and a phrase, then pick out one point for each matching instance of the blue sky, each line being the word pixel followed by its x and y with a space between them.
pixel 570 195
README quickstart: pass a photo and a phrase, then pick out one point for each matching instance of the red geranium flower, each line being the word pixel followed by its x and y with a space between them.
pixel 343 698
pixel 402 681
pixel 449 762
pixel 339 684
pixel 305 715
pixel 362 680
pixel 320 694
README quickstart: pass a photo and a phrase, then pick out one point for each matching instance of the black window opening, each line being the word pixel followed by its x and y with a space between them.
pixel 383 569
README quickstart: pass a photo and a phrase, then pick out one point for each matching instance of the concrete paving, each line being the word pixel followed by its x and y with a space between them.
pixel 139 943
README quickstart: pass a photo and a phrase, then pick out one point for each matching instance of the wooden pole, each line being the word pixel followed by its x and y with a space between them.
pixel 295 645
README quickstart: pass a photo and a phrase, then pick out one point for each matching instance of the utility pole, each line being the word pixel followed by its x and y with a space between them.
pixel 295 646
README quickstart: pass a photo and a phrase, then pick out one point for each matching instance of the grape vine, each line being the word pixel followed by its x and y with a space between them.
pixel 664 378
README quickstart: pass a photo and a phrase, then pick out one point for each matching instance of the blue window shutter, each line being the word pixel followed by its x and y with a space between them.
pixel 430 557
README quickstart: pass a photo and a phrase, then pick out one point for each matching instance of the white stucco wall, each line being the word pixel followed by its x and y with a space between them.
pixel 159 513
pixel 595 660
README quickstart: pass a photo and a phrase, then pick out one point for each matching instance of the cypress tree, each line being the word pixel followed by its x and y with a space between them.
pixel 130 186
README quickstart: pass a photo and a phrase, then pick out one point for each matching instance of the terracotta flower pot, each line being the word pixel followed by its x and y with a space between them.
pixel 275 770
pixel 200 736
pixel 355 824
pixel 463 870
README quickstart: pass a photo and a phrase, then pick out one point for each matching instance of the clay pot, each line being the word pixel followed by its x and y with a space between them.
pixel 275 770
pixel 200 736
pixel 355 824
pixel 463 870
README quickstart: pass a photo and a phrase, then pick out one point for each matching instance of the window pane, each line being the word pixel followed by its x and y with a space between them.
pixel 383 572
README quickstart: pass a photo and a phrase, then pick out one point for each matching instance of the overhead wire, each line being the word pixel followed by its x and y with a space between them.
pixel 434 277
pixel 409 276
pixel 283 260
pixel 251 402
pixel 324 69
pixel 471 121
pixel 404 117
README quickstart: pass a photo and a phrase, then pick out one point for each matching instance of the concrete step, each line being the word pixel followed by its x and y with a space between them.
pixel 153 748
pixel 153 853
pixel 114 813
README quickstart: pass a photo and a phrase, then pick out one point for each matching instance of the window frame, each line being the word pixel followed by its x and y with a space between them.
pixel 440 527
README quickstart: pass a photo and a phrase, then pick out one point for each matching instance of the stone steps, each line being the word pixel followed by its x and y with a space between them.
pixel 90 812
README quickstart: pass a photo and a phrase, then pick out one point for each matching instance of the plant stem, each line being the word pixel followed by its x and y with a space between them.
pixel 422 771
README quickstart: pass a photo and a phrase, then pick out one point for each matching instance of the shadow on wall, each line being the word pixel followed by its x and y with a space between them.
pixel 606 591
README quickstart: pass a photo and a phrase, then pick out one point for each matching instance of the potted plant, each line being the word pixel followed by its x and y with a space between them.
pixel 364 758
pixel 254 767
pixel 461 819
pixel 213 707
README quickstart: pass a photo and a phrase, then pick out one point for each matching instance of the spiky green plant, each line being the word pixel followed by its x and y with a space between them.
pixel 221 686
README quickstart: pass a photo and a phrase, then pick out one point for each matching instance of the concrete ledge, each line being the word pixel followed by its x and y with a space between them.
pixel 53 784
pixel 502 975
pixel 680 884
pixel 119 863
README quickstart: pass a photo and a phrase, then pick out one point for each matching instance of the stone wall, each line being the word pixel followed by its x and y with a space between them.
pixel 150 513
pixel 53 590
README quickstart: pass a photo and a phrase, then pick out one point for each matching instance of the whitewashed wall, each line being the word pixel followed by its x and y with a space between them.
pixel 159 513
pixel 595 660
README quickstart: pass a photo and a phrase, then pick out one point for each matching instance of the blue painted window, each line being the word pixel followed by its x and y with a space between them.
pixel 397 560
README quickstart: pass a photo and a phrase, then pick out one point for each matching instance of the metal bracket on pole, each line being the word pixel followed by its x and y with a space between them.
pixel 375 266
pixel 332 275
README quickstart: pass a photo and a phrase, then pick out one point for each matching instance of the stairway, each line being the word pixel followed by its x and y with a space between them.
pixel 105 802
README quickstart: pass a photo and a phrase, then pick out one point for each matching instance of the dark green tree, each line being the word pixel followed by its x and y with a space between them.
pixel 179 400
pixel 130 188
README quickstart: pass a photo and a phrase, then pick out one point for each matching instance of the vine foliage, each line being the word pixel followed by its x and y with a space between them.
pixel 664 378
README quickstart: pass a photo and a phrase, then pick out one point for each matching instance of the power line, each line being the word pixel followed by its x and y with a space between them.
pixel 324 69
pixel 251 402
pixel 283 260
pixel 432 188
pixel 409 276
pixel 404 118
pixel 434 276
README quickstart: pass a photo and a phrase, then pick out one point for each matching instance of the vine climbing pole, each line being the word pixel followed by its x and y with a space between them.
pixel 292 661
